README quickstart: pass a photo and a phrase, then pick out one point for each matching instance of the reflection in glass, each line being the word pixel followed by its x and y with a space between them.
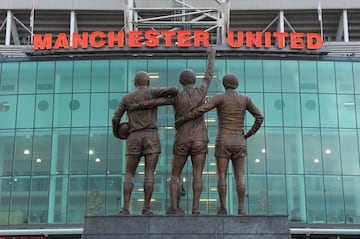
pixel 314 199
pixel 296 198
pixel 334 196
pixel 349 156
pixel 352 199
pixel 59 158
pixel 344 77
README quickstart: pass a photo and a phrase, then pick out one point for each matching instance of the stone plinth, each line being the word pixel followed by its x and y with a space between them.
pixel 189 227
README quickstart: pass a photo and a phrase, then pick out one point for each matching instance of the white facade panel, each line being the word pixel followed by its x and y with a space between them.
pixel 64 4
pixel 235 4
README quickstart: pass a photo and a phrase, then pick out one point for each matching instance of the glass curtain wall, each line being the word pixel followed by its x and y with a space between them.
pixel 59 160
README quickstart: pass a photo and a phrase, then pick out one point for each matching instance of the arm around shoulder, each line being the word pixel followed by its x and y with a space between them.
pixel 166 92
pixel 150 104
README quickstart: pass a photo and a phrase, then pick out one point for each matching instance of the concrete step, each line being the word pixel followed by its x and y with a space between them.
pixel 189 227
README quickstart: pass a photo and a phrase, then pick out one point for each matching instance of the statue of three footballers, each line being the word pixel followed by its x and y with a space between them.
pixel 191 138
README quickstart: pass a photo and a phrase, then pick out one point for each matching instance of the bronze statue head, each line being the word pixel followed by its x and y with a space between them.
pixel 230 81
pixel 142 79
pixel 187 77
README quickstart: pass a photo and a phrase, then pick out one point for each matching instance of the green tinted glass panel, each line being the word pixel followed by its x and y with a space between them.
pixel 8 111
pixel 277 194
pixel 290 76
pixel 42 155
pixel 80 110
pixel 346 111
pixel 44 111
pixel 45 77
pixel 302 162
pixel 312 151
pixel 257 195
pixel 274 150
pixel 113 189
pixel 6 151
pixel 39 197
pixel 62 110
pixel 352 195
pixel 25 111
pixel 9 78
pixel 296 198
pixel 328 110
pixel 349 156
pixel 291 109
pixel 253 76
pixel 256 155
pixel 58 199
pixel 293 150
pixel 98 144
pixel 331 151
pixel 357 104
pixel 96 195
pixel 315 199
pixel 82 76
pixel 308 76
pixel 19 209
pixel 356 69
pixel 115 162
pixel 23 152
pixel 273 109
pixel 80 151
pixel 272 76
pixel 77 202
pixel 99 109
pixel 310 110
pixel 157 70
pixel 60 152
pixel 64 77
pixel 27 77
pixel 7 183
pixel 100 76
pixel 326 76
pixel 118 76
pixel 334 199
pixel 344 77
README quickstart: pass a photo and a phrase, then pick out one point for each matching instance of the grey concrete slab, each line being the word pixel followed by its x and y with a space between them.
pixel 189 227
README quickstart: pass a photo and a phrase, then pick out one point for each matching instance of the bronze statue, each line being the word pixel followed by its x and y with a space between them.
pixel 143 138
pixel 181 194
pixel 191 138
pixel 231 107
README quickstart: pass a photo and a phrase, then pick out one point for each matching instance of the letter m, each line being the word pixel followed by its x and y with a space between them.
pixel 42 43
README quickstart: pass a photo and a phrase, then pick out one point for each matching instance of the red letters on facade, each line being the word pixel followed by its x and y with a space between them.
pixel 181 39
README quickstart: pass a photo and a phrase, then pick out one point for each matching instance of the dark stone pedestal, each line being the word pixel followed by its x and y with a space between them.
pixel 189 227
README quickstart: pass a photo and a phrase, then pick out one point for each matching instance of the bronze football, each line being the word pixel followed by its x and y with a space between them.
pixel 123 131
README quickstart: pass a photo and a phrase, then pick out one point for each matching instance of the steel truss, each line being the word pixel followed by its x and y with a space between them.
pixel 182 16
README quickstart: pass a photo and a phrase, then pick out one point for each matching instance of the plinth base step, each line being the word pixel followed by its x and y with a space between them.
pixel 189 227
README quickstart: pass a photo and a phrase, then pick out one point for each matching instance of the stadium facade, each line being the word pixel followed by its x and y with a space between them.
pixel 65 65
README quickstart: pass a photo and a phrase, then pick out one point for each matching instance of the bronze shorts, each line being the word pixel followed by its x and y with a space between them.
pixel 143 142
pixel 230 151
pixel 191 148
